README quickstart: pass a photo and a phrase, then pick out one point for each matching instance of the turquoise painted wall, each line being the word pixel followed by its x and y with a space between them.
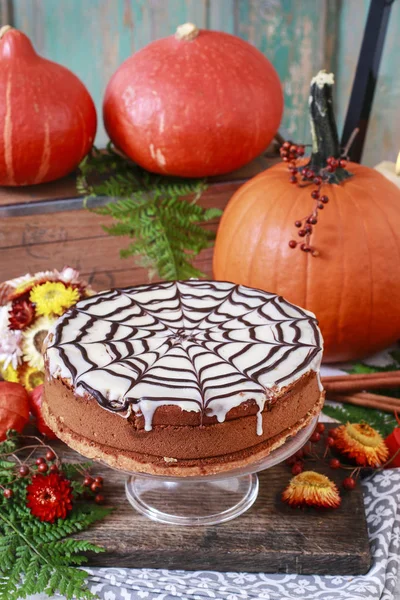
pixel 93 37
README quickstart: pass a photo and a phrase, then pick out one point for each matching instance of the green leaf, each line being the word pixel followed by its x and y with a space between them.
pixel 395 354
pixel 73 469
pixel 382 422
pixel 37 556
pixel 11 442
pixel 361 368
pixel 149 209
pixel 6 464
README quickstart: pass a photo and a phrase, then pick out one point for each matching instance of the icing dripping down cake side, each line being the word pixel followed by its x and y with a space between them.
pixel 205 355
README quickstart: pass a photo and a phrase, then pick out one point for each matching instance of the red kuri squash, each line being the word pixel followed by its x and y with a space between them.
pixel 353 284
pixel 47 117
pixel 35 401
pixel 14 407
pixel 194 104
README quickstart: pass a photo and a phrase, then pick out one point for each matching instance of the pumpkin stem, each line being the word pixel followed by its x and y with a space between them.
pixel 4 30
pixel 325 139
pixel 397 167
pixel 187 32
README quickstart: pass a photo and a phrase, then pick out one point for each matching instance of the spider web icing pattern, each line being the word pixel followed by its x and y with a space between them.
pixel 205 346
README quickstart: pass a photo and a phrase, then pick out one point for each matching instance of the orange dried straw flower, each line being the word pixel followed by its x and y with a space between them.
pixel 361 442
pixel 311 489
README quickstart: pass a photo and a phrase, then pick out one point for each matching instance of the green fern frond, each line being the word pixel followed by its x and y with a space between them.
pixel 150 209
pixel 69 582
pixel 73 469
pixel 382 422
pixel 11 442
pixel 119 229
pixel 212 213
pixel 36 557
pixel 6 464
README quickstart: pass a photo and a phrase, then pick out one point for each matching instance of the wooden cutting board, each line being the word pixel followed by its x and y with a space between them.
pixel 271 537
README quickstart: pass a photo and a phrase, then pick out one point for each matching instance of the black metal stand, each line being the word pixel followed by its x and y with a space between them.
pixel 362 94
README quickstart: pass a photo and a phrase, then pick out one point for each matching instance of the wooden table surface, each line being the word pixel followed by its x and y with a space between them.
pixel 45 227
pixel 271 537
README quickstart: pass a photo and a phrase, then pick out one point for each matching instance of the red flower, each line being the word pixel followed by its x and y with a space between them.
pixel 49 497
pixel 22 314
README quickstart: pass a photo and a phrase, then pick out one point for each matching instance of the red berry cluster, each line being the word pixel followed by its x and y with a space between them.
pixel 296 462
pixel 290 153
pixel 42 466
pixel 48 463
pixel 95 485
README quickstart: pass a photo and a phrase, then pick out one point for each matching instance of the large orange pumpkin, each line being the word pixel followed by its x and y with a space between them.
pixel 353 285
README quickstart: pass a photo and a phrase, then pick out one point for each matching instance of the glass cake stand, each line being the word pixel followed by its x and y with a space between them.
pixel 208 499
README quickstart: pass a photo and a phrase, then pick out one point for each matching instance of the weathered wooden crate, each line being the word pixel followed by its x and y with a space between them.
pixel 45 227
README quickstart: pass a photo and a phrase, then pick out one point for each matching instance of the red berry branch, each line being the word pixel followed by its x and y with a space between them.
pixel 326 163
pixel 337 441
pixel 303 176
pixel 49 485
pixel 37 486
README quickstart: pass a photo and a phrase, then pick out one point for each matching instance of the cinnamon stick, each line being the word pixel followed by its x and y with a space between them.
pixel 384 403
pixel 361 381
pixel 368 376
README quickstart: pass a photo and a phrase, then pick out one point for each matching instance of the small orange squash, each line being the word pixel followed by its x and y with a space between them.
pixel 35 402
pixel 14 408
pixel 353 285
pixel 47 117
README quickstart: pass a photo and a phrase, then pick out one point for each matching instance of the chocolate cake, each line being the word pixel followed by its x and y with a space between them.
pixel 182 378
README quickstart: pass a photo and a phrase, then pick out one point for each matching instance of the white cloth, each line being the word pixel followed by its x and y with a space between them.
pixel 382 505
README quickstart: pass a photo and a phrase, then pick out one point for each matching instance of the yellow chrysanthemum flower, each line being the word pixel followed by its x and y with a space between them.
pixel 33 341
pixel 30 377
pixel 9 374
pixel 23 285
pixel 53 298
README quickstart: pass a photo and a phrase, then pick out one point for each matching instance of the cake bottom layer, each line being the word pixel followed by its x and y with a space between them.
pixel 138 462
pixel 178 433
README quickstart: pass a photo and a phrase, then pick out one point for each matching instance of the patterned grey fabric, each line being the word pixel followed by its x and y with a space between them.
pixel 382 504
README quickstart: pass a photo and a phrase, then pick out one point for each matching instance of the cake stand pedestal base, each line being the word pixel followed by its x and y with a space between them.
pixel 209 499
pixel 192 502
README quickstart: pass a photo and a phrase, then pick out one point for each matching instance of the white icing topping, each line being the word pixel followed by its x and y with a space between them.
pixel 204 346
pixel 320 386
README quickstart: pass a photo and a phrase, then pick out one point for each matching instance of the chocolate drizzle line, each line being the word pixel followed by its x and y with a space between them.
pixel 196 342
